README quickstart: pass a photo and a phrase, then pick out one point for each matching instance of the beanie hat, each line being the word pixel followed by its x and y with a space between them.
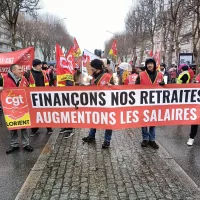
pixel 97 64
pixel 185 68
pixel 44 63
pixel 36 62
pixel 108 62
pixel 163 65
pixel 104 60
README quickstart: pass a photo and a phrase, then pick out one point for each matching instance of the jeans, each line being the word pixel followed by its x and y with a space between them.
pixel 107 137
pixel 193 132
pixel 149 135
pixel 24 136
pixel 69 83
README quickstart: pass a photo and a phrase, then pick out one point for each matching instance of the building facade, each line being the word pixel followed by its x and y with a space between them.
pixel 4 37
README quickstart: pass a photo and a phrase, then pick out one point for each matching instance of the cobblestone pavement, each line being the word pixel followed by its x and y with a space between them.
pixel 125 171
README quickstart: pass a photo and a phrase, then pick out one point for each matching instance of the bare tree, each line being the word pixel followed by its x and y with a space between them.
pixel 123 47
pixel 194 12
pixel 52 31
pixel 108 45
pixel 11 10
pixel 150 13
pixel 176 16
pixel 43 33
pixel 25 31
pixel 133 22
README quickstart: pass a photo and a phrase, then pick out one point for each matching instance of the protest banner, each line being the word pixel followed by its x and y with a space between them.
pixel 115 107
pixel 23 57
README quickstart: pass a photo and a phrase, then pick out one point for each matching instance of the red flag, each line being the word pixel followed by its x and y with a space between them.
pixel 150 53
pixel 156 56
pixel 70 57
pixel 64 67
pixel 77 51
pixel 113 50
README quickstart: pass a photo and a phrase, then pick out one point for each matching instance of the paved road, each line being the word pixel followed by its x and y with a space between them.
pixel 174 139
pixel 14 168
pixel 77 171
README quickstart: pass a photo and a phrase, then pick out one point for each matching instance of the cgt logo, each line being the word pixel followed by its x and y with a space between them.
pixel 15 101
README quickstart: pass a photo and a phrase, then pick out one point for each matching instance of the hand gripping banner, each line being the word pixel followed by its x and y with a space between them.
pixel 115 107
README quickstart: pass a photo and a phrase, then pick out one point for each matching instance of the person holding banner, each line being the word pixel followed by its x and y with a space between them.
pixel 37 77
pixel 148 77
pixel 69 132
pixel 100 78
pixel 14 78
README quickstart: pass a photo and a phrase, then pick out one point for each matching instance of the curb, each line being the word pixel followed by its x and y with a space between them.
pixel 179 172
pixel 30 183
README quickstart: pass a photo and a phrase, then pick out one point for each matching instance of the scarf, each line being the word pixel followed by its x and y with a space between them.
pixel 15 78
pixel 34 69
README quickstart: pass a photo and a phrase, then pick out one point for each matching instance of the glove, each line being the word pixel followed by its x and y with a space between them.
pixel 162 83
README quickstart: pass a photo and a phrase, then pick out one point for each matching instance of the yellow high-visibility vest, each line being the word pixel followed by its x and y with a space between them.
pixel 179 81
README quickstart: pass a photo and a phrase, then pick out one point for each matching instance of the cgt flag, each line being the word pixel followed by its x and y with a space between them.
pixel 70 58
pixel 23 57
pixel 113 50
pixel 64 66
pixel 15 107
pixel 77 51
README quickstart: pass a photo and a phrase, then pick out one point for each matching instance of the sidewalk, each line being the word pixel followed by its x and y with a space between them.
pixel 126 171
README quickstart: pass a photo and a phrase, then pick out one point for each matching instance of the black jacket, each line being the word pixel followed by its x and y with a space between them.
pixel 38 77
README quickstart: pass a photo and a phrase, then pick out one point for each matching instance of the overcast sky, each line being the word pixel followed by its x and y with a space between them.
pixel 88 20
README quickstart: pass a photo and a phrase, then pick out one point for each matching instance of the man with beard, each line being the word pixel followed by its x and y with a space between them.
pixel 100 78
pixel 148 77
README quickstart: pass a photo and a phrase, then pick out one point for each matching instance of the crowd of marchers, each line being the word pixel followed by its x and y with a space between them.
pixel 42 75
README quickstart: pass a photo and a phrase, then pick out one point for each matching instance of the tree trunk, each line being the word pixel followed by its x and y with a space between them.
pixel 196 56
pixel 45 57
pixel 12 36
pixel 198 61
pixel 141 54
pixel 134 56
pixel 177 50
pixel 170 52
pixel 152 45
pixel 164 54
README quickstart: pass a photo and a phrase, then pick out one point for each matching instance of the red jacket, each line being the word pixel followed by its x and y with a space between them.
pixel 8 82
pixel 130 80
pixel 191 72
pixel 197 79
pixel 145 79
